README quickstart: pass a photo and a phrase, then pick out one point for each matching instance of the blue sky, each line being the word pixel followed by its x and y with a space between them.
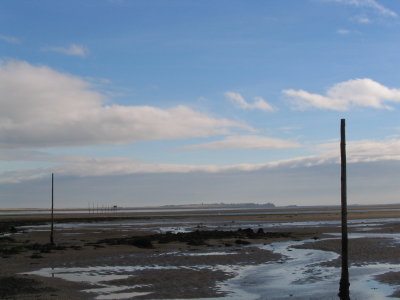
pixel 185 101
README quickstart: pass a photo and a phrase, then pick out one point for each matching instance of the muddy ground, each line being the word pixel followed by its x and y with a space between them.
pixel 23 251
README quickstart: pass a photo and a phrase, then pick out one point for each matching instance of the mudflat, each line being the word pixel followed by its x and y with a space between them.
pixel 166 255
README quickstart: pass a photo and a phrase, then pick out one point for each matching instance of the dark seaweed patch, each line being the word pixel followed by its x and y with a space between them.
pixel 195 238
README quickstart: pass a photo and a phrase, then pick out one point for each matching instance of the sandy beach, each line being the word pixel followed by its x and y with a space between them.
pixel 179 255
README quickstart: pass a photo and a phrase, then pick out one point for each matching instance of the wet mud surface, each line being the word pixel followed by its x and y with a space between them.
pixel 242 258
pixel 362 251
pixel 12 286
pixel 170 283
pixel 393 279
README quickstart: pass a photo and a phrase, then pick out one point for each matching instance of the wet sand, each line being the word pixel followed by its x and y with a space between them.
pixel 81 247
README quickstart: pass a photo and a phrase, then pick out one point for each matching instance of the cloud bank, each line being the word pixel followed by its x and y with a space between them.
pixel 41 107
pixel 373 182
pixel 342 96
pixel 364 151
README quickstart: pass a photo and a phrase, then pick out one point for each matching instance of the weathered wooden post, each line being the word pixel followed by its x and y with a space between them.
pixel 344 293
pixel 52 210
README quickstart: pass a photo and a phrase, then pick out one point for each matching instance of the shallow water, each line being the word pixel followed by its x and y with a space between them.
pixel 299 276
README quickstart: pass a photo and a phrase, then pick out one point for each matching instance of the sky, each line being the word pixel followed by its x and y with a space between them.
pixel 156 102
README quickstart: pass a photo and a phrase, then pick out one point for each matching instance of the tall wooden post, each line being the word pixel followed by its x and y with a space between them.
pixel 344 293
pixel 52 210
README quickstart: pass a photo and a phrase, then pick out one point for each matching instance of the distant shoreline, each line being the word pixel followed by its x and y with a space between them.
pixel 205 207
pixel 275 214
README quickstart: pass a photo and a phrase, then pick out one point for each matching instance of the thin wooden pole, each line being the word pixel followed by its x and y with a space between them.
pixel 52 210
pixel 344 293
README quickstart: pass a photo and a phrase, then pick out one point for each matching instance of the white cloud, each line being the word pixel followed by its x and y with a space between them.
pixel 82 166
pixel 245 142
pixel 23 155
pixel 290 129
pixel 259 103
pixel 372 4
pixel 362 19
pixel 9 39
pixel 18 176
pixel 363 150
pixel 73 49
pixel 344 95
pixel 41 107
pixel 116 1
pixel 343 31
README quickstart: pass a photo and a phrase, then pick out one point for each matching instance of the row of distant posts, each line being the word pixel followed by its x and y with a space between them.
pixel 96 211
pixel 102 210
